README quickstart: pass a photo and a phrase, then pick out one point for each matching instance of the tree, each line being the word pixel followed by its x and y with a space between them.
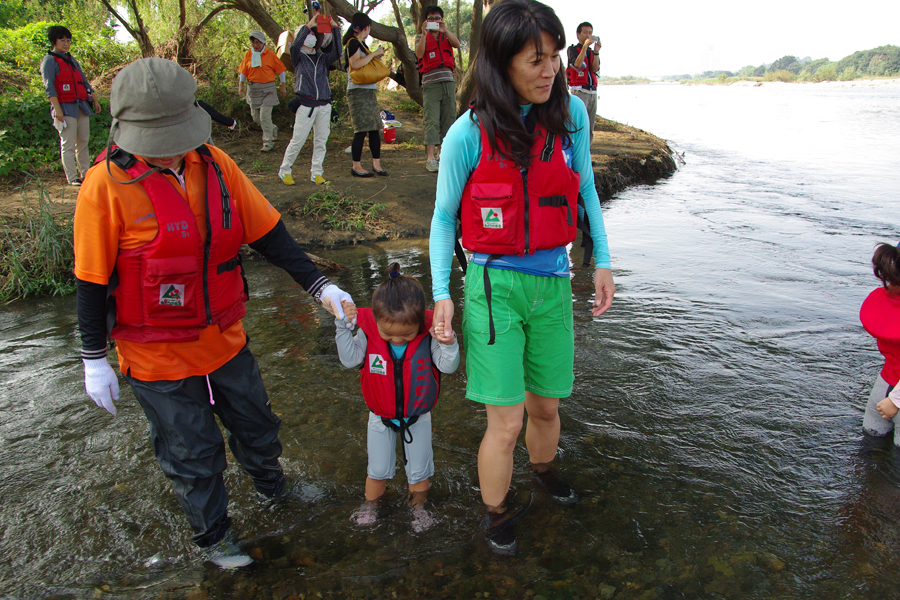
pixel 467 85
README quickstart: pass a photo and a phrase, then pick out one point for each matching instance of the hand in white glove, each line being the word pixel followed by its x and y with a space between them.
pixel 59 125
pixel 331 299
pixel 101 383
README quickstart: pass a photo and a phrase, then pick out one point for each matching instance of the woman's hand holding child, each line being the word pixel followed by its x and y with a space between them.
pixel 441 334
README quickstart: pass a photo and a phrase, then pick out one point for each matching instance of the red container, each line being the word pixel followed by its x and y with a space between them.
pixel 390 135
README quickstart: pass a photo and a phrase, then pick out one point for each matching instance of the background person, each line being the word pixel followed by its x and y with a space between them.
pixel 517 324
pixel 395 334
pixel 364 113
pixel 880 315
pixel 584 66
pixel 311 53
pixel 434 52
pixel 259 68
pixel 71 99
pixel 164 218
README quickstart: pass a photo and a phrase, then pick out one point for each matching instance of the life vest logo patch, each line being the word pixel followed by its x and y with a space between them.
pixel 377 365
pixel 492 218
pixel 171 294
pixel 432 54
pixel 66 87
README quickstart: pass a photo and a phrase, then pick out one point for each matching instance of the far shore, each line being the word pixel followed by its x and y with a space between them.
pixel 893 83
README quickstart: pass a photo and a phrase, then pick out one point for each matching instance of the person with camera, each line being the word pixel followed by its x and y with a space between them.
pixel 434 55
pixel 311 53
pixel 584 67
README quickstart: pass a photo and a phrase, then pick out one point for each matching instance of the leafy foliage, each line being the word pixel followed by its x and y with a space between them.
pixel 337 211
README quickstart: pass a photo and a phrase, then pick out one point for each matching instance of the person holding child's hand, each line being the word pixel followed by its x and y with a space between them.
pixel 396 335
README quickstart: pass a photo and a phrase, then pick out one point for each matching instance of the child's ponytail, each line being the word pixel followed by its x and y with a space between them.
pixel 886 266
pixel 399 299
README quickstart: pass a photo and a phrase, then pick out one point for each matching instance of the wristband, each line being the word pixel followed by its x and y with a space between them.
pixel 318 295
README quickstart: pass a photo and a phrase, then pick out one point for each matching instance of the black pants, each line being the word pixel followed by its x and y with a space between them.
pixel 356 146
pixel 189 446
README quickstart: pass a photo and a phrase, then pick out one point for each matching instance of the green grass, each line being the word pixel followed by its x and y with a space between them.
pixel 338 211
pixel 37 257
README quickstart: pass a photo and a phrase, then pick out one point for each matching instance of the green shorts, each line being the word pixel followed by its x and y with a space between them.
pixel 534 347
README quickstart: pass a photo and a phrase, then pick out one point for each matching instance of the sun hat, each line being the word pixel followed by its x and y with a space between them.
pixel 154 110
pixel 256 33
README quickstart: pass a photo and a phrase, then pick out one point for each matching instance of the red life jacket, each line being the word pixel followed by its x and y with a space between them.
pixel 438 53
pixel 69 83
pixel 171 287
pixel 505 210
pixel 394 393
pixel 583 77
pixel 880 316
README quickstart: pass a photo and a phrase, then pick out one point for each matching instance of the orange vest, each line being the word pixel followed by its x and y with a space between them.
pixel 176 284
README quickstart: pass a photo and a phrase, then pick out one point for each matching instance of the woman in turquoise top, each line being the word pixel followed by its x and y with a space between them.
pixel 525 361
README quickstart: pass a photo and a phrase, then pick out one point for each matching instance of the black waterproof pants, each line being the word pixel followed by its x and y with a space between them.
pixel 189 445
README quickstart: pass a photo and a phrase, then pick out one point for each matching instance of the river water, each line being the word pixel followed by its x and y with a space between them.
pixel 714 432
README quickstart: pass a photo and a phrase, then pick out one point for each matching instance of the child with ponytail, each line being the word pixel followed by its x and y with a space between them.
pixel 880 315
pixel 397 346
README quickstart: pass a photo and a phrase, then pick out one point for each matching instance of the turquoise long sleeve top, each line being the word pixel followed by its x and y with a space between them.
pixel 460 155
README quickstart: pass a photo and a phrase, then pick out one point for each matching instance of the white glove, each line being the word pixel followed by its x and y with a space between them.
pixel 331 299
pixel 60 125
pixel 101 383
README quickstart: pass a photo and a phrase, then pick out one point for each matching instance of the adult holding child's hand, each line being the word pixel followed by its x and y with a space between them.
pixel 523 129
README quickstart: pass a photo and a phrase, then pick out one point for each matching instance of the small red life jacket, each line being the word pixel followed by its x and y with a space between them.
pixel 393 393
pixel 505 210
pixel 171 287
pixel 438 53
pixel 69 83
pixel 583 77
pixel 880 316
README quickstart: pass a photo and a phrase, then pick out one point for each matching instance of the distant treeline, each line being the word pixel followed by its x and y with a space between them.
pixel 883 61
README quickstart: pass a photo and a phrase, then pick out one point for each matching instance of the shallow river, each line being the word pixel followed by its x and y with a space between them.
pixel 714 433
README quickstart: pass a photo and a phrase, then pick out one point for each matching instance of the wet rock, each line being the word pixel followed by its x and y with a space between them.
pixel 771 562
pixel 606 591
pixel 720 566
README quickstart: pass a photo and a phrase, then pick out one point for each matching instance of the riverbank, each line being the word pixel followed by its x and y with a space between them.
pixel 622 156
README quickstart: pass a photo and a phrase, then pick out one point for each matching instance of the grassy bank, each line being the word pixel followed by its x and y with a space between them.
pixel 36 254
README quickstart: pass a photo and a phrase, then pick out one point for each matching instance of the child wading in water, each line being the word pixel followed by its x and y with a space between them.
pixel 400 377
pixel 880 315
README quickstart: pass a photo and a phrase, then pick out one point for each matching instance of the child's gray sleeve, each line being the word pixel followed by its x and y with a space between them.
pixel 445 356
pixel 351 349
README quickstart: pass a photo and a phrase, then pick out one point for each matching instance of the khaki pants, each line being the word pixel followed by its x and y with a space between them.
pixel 590 103
pixel 73 146
pixel 439 108
pixel 262 116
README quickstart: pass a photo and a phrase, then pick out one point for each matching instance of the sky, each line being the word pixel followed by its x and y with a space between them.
pixel 666 37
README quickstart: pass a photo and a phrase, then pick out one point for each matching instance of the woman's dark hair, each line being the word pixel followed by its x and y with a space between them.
pixel 359 22
pixel 399 299
pixel 886 265
pixel 56 32
pixel 510 27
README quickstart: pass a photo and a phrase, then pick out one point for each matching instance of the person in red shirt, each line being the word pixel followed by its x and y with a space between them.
pixel 158 229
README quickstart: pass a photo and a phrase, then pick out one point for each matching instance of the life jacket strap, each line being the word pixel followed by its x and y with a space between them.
pixel 487 297
pixel 403 429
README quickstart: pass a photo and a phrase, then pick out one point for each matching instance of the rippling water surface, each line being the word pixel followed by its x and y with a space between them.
pixel 714 433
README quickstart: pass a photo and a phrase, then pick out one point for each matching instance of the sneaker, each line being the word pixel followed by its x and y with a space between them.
pixel 227 554
pixel 422 519
pixel 500 534
pixel 559 490
pixel 76 182
pixel 267 147
pixel 365 515
pixel 288 180
pixel 432 165
pixel 318 180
